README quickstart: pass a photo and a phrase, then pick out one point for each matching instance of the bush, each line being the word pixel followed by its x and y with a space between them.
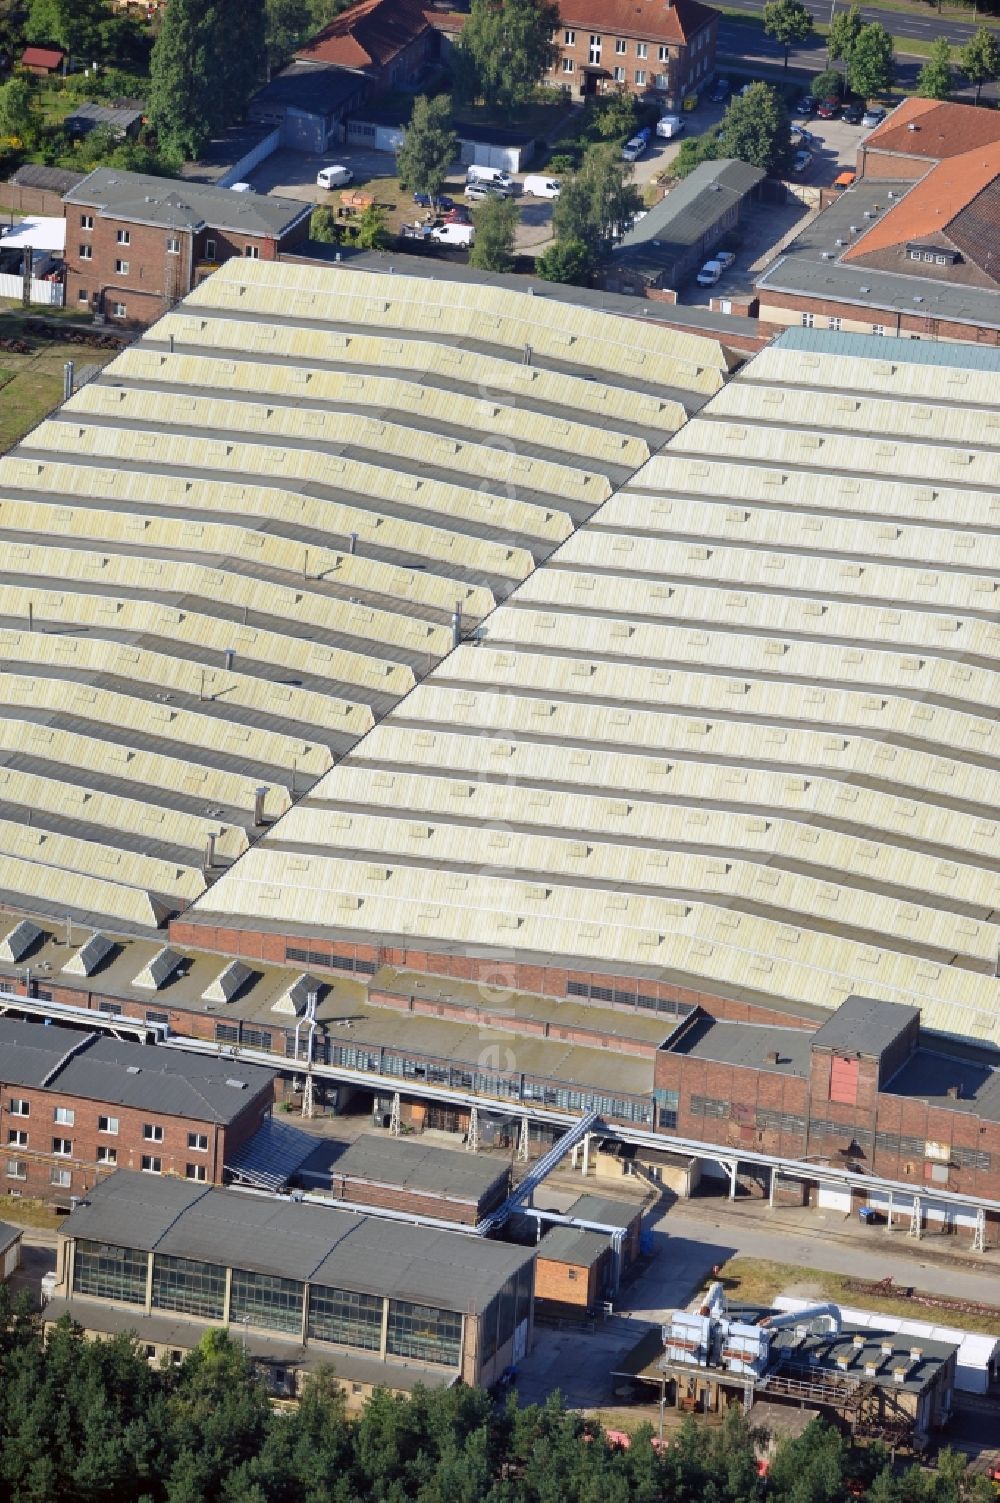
pixel 563 161
pixel 566 261
pixel 695 150
pixel 827 85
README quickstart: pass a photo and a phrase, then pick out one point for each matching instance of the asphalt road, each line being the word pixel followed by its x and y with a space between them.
pixel 924 28
pixel 750 45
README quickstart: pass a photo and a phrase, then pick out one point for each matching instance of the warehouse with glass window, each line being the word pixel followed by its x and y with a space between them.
pixel 395 1302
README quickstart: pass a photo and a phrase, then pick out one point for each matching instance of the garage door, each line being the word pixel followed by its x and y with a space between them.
pixel 302 132
pixel 833 1197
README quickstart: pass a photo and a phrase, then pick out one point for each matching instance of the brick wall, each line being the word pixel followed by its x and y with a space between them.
pixel 397 1198
pixel 887 165
pixel 129 1143
pixel 32 200
pixel 752 1097
pixel 569 1283
pixel 785 308
pixel 646 64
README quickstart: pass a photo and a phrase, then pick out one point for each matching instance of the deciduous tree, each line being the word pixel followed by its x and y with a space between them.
pixel 979 59
pixel 871 65
pixel 506 47
pixel 184 77
pixel 755 129
pixel 844 29
pixel 788 21
pixel 496 222
pixel 936 79
pixel 566 260
pixel 429 146
pixel 599 203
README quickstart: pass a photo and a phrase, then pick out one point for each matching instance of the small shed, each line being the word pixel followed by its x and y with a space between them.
pixel 123 123
pixel 420 1178
pixel 571 1267
pixel 603 1211
pixel 677 235
pixel 42 60
pixel 10 1250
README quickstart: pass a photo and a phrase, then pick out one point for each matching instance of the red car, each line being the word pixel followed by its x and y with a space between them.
pixel 457 215
pixel 828 109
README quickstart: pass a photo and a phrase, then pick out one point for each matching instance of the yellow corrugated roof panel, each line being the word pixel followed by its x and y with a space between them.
pixel 70 891
pixel 107 862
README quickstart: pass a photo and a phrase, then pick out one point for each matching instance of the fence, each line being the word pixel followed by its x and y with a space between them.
pixel 52 294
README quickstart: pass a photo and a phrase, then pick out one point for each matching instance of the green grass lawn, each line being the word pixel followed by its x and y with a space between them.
pixel 32 385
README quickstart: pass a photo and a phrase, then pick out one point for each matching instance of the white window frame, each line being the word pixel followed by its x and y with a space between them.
pixel 595 48
pixel 109 1126
pixel 83 296
pixel 808 320
pixel 640 78
pixel 17 1137
pixel 106 1154
pixel 62 1148
pixel 124 237
pixel 119 310
pixel 569 38
pixel 152 1164
pixel 664 54
pixel 17 1169
pixel 642 49
pixel 197 1142
pixel 568 65
pixel 834 322
pixel 152 1132
pixel 86 221
pixel 86 253
pixel 210 249
pixel 63 1178
pixel 253 251
pixel 621 46
pixel 618 75
pixel 196 1172
pixel 173 245
pixel 19 1106
pixel 121 268
pixel 64 1116
pixel 878 330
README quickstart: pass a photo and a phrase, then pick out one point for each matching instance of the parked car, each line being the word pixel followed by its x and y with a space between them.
pixel 806 106
pixel 458 215
pixel 709 274
pixel 425 201
pixel 334 177
pixel 541 187
pixel 476 192
pixel 828 109
pixel 720 93
pixel 633 150
pixel 725 259
pixel 852 114
pixel 871 118
pixel 802 162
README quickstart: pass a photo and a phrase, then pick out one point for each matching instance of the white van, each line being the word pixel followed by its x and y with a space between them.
pixel 669 126
pixel 489 175
pixel 334 177
pixel 454 234
pixel 542 187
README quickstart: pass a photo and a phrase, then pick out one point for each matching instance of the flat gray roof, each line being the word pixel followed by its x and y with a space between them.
pixel 929 1074
pixel 295 1240
pixel 571 1244
pixel 864 1026
pixel 113 1071
pixel 943 354
pixel 175 204
pixel 605 1210
pixel 420 1167
pixel 749 1044
pixel 802 270
pixel 89 115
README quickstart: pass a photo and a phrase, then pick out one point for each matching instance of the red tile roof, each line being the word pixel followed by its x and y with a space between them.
pixel 929 128
pixel 947 191
pixel 658 20
pixel 369 34
pixel 42 57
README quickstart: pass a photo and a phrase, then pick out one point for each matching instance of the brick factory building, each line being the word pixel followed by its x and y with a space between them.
pixel 422 1179
pixel 136 244
pixel 572 1266
pixel 75 1106
pixel 390 1305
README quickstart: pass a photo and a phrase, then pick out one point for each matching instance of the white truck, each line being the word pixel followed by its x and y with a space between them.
pixel 541 187
pixel 454 234
pixel 669 126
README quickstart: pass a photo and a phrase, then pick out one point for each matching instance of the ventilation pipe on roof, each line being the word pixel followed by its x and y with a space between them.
pixel 209 853
pixel 352 546
pixel 67 380
pixel 806 1317
pixel 259 795
pixel 456 624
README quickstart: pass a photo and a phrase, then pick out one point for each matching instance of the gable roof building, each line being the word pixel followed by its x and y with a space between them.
pixel 681 231
pixel 920 132
pixel 386 40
